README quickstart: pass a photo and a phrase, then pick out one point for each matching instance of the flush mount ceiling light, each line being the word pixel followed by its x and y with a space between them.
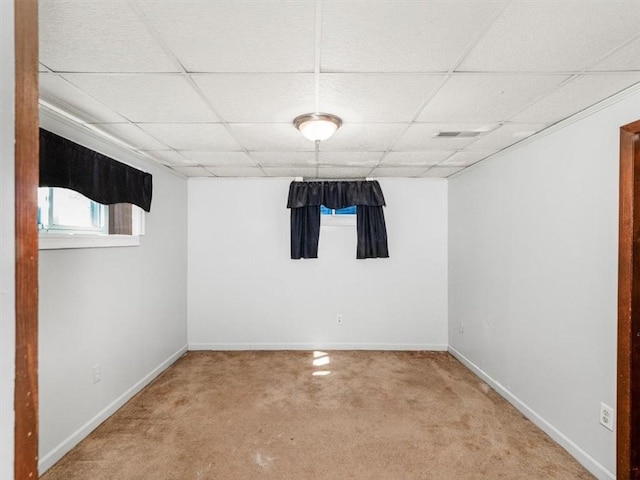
pixel 317 126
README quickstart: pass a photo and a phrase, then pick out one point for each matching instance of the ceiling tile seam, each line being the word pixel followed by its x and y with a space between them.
pixel 613 51
pixel 473 43
pixel 470 46
pixel 65 79
pixel 207 169
pixel 317 53
pixel 163 45
pixel 128 120
pixel 87 73
pixel 188 162
pixel 452 154
pixel 612 99
pixel 422 106
pixel 457 73
pixel 537 99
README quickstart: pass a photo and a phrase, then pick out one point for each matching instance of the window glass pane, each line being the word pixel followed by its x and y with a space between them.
pixel 63 209
pixel 43 208
pixel 324 210
pixel 340 211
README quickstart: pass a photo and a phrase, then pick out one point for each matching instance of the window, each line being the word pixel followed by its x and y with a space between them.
pixel 336 217
pixel 68 219
pixel 61 210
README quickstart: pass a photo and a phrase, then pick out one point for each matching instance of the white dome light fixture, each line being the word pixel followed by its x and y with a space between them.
pixel 317 126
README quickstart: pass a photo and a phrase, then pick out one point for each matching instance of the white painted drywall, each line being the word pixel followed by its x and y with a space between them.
pixel 122 308
pixel 245 291
pixel 7 243
pixel 533 241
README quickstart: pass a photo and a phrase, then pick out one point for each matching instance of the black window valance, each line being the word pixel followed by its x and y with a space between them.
pixel 66 164
pixel 337 194
pixel 305 199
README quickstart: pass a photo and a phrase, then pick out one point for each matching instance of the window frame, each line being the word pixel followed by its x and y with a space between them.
pixel 58 237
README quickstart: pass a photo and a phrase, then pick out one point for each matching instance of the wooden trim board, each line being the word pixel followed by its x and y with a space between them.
pixel 628 381
pixel 26 231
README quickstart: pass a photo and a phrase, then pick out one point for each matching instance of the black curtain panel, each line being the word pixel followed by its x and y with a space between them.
pixel 66 164
pixel 305 199
pixel 305 231
pixel 372 232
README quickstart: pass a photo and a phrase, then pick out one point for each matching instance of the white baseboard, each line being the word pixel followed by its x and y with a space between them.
pixel 49 459
pixel 590 463
pixel 318 346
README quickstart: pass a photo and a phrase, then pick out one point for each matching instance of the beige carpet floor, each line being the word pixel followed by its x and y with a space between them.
pixel 305 416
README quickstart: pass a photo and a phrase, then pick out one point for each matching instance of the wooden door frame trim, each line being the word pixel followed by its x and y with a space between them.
pixel 628 384
pixel 26 237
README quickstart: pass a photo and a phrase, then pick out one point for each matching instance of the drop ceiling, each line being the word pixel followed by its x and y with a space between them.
pixel 210 88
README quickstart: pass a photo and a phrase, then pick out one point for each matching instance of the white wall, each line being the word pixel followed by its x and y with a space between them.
pixel 122 308
pixel 533 241
pixel 7 245
pixel 245 291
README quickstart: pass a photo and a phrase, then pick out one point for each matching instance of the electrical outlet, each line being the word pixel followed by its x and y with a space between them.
pixel 339 319
pixel 97 373
pixel 606 416
pixel 461 327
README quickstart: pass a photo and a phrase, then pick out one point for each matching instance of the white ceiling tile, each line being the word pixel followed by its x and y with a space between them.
pixel 351 159
pixel 56 90
pixel 422 158
pixel 386 36
pixel 553 36
pixel 290 171
pixel 368 98
pixel 486 98
pixel 237 36
pixel 193 171
pixel 169 157
pixel 270 137
pixel 131 134
pixel 285 159
pixel 236 171
pixel 441 172
pixel 343 172
pixel 361 137
pixel 218 158
pixel 626 58
pixel 267 97
pixel 464 159
pixel 146 98
pixel 92 36
pixel 193 136
pixel 506 135
pixel 398 171
pixel 575 96
pixel 422 136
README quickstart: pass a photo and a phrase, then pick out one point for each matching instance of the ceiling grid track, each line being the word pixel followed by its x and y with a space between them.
pixel 147 23
pixel 446 78
pixel 316 72
pixel 399 72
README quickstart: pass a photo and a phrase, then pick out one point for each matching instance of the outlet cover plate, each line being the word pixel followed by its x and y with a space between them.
pixel 606 416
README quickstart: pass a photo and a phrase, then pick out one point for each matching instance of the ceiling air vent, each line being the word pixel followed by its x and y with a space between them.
pixel 467 134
